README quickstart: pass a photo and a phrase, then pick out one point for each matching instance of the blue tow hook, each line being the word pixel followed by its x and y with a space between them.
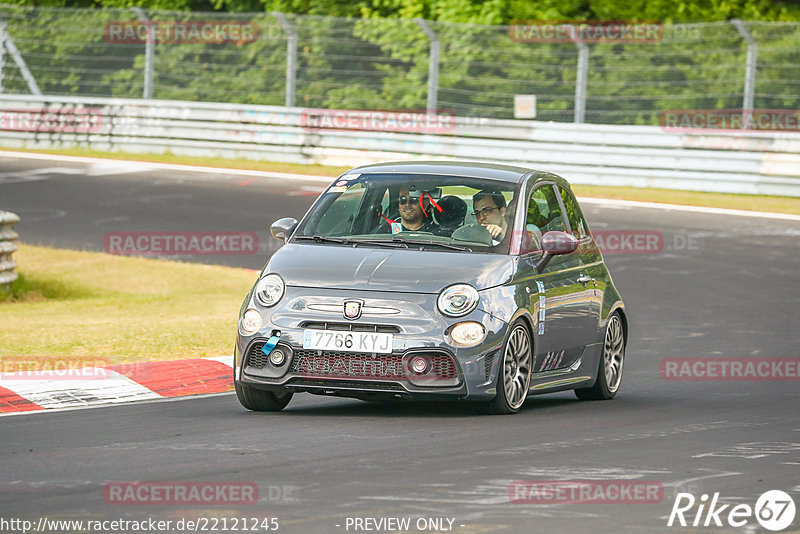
pixel 270 344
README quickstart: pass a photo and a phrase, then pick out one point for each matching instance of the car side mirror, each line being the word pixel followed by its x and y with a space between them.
pixel 556 242
pixel 283 228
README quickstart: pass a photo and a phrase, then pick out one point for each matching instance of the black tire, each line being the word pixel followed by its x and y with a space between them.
pixel 259 400
pixel 609 368
pixel 516 358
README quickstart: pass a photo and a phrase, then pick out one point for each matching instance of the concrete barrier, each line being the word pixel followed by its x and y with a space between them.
pixel 8 245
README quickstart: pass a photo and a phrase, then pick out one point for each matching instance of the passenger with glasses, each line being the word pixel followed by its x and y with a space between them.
pixel 489 208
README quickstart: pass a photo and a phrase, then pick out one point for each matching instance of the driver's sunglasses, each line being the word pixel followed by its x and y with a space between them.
pixel 409 199
pixel 484 212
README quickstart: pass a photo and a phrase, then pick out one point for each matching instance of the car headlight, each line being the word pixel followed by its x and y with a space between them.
pixel 467 334
pixel 269 290
pixel 458 300
pixel 251 322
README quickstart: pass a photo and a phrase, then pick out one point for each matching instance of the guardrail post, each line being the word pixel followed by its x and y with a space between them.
pixel 149 52
pixel 291 57
pixel 8 246
pixel 750 70
pixel 433 64
pixel 581 79
pixel 8 43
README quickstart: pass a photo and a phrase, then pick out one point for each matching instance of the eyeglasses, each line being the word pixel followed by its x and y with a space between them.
pixel 483 212
pixel 408 199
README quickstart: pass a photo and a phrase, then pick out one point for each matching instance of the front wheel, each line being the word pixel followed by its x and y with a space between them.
pixel 259 400
pixel 609 371
pixel 514 377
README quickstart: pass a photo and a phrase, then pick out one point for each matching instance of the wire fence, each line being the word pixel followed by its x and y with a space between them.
pixel 393 64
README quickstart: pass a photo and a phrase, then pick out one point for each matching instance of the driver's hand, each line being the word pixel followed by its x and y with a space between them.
pixel 495 230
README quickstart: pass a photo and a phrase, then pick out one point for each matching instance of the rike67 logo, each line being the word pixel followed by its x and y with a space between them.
pixel 774 510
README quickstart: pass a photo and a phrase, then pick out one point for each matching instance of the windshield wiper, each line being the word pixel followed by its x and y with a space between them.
pixel 355 242
pixel 432 243
pixel 322 239
pixel 394 243
pixel 445 245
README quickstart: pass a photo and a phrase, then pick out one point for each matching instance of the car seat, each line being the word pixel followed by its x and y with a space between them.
pixel 454 211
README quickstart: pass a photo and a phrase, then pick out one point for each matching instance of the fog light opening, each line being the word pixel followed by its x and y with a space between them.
pixel 277 357
pixel 419 365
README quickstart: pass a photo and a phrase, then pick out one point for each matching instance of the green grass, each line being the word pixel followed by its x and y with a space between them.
pixel 71 304
pixel 37 290
pixel 775 204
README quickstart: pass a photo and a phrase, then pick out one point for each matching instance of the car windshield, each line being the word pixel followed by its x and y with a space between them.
pixel 433 212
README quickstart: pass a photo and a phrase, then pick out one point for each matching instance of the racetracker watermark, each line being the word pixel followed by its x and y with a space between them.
pixel 629 241
pixel 644 242
pixel 585 491
pixel 423 121
pixel 180 32
pixel 52 368
pixel 730 369
pixel 616 242
pixel 181 243
pixel 51 120
pixel 180 493
pixel 76 368
pixel 731 120
pixel 585 31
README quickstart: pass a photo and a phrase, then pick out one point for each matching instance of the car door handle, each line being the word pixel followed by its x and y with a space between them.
pixel 584 279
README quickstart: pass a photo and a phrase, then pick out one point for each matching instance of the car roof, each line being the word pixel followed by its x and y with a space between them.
pixel 492 171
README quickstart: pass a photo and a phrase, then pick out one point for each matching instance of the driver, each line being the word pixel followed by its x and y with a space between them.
pixel 414 207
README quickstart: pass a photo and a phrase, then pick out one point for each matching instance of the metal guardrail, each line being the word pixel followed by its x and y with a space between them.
pixel 641 156
pixel 8 245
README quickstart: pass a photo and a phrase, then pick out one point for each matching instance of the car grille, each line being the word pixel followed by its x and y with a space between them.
pixel 346 364
pixel 444 368
pixel 351 327
pixel 256 358
pixel 488 360
pixel 357 365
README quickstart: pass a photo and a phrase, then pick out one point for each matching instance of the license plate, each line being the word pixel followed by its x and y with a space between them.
pixel 366 342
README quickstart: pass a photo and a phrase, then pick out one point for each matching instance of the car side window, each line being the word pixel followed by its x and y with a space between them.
pixel 543 215
pixel 574 215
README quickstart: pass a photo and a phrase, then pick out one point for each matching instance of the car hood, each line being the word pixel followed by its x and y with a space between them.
pixel 381 269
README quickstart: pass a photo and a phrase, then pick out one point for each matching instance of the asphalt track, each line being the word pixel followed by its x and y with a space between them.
pixel 721 287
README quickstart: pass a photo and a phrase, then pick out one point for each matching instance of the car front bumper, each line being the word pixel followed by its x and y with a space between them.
pixel 454 372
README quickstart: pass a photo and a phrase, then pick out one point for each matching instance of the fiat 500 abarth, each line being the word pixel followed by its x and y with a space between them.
pixel 433 281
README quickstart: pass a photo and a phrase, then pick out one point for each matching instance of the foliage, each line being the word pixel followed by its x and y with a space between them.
pixel 492 12
pixel 372 54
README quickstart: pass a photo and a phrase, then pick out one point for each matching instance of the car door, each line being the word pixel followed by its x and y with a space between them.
pixel 558 300
pixel 592 272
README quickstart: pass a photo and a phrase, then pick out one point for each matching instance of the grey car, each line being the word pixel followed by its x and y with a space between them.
pixel 433 281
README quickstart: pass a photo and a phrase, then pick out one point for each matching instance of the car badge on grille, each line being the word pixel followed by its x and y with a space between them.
pixel 352 309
